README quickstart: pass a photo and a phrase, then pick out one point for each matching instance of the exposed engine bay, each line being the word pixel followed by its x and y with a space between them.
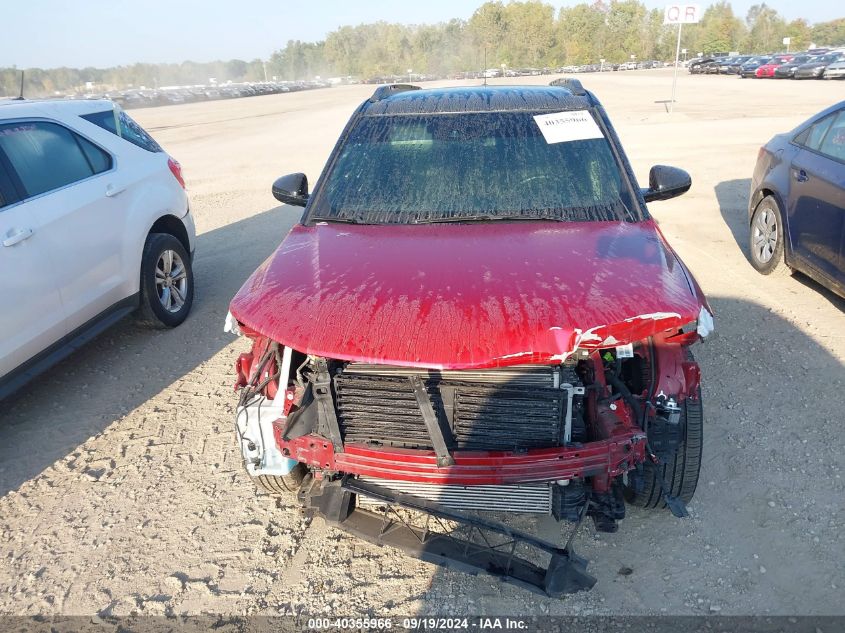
pixel 370 445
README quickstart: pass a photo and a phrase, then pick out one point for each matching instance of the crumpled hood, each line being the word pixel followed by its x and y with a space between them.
pixel 467 295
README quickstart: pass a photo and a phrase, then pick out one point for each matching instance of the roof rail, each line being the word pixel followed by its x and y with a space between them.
pixel 382 92
pixel 573 85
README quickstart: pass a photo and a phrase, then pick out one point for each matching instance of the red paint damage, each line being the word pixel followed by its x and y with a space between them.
pixel 491 294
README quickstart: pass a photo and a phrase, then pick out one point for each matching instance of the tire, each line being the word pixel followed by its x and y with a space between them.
pixel 282 485
pixel 766 236
pixel 155 310
pixel 681 473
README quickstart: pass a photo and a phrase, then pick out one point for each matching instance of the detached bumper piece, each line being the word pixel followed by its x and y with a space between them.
pixel 448 537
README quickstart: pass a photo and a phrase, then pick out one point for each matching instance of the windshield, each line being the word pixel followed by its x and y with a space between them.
pixel 409 169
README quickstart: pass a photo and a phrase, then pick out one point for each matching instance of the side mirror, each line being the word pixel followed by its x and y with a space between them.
pixel 666 182
pixel 291 189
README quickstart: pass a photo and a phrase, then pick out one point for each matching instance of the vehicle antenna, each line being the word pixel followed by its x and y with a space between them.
pixel 20 98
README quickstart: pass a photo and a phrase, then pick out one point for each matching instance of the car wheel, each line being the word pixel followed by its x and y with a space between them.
pixel 167 281
pixel 681 473
pixel 282 484
pixel 766 236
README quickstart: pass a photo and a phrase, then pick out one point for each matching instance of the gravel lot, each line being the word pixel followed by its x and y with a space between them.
pixel 121 489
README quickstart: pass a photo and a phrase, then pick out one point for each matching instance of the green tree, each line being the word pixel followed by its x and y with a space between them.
pixel 488 26
pixel 719 31
pixel 766 29
pixel 829 33
pixel 529 34
pixel 660 40
pixel 581 33
pixel 298 60
pixel 800 34
pixel 626 30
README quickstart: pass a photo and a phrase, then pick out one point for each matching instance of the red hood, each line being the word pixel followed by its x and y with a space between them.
pixel 469 295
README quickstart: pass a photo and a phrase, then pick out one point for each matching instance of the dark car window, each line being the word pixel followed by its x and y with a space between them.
pixel 462 166
pixel 833 143
pixel 812 137
pixel 99 160
pixel 7 189
pixel 47 156
pixel 118 122
pixel 107 119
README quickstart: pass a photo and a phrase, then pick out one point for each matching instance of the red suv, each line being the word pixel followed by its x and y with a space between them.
pixel 476 314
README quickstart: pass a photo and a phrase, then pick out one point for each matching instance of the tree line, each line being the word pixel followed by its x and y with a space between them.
pixel 528 34
pixel 518 34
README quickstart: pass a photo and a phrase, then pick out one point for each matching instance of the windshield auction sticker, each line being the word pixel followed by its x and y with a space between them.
pixel 562 127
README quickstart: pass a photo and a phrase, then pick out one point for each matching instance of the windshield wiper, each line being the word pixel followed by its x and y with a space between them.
pixel 340 220
pixel 486 218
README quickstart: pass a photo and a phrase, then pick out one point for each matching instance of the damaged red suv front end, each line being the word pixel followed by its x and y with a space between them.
pixel 407 378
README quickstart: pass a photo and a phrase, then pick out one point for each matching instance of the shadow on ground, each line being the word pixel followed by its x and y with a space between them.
pixel 732 196
pixel 127 365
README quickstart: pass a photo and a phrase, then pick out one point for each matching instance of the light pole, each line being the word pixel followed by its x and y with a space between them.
pixel 410 70
pixel 601 68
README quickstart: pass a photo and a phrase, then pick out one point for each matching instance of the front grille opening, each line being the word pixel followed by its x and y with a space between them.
pixel 508 409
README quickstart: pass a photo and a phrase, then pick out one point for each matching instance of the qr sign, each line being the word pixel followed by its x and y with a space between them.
pixel 681 14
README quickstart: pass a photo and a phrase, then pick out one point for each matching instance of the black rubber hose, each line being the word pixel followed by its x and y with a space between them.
pixel 617 384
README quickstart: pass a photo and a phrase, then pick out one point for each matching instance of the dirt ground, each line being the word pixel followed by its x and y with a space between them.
pixel 121 488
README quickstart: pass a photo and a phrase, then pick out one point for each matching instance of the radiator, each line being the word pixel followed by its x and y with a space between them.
pixel 512 408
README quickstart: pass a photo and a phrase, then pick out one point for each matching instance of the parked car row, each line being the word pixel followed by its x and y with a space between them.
pixel 144 98
pixel 491 73
pixel 826 64
pixel 605 67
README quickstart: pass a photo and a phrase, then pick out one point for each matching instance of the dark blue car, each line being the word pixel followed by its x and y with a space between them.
pixel 797 204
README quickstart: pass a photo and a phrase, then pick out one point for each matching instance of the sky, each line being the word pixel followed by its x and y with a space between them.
pixel 102 33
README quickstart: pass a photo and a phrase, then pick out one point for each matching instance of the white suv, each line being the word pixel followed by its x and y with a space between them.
pixel 94 224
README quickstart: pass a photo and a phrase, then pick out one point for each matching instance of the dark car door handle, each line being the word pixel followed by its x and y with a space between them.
pixel 801 175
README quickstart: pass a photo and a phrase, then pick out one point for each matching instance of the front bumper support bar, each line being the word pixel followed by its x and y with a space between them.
pixel 476 546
